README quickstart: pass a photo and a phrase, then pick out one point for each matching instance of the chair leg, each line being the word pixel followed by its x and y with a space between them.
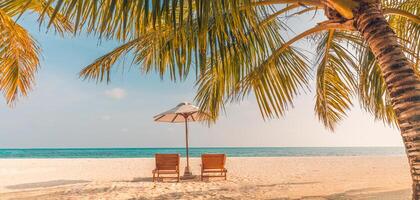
pixel 153 177
pixel 178 177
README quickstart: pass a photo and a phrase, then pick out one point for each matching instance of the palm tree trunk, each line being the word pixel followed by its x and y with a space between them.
pixel 402 82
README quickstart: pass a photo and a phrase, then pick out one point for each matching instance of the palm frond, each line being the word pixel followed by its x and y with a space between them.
pixel 371 88
pixel 238 48
pixel 101 67
pixel 373 95
pixel 123 18
pixel 213 91
pixel 335 79
pixel 18 59
pixel 233 52
pixel 278 82
pixel 173 50
pixel 408 30
pixel 16 8
pixel 275 80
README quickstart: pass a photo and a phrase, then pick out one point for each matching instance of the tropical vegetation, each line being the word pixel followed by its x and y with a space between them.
pixel 366 51
pixel 19 51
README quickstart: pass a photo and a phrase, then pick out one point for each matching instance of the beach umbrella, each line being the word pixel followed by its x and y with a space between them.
pixel 183 113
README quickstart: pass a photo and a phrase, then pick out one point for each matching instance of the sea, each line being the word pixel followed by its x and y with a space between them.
pixel 196 152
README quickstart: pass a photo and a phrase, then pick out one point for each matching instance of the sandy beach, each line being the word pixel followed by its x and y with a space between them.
pixel 359 177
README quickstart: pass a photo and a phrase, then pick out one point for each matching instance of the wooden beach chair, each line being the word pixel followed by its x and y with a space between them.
pixel 166 164
pixel 213 165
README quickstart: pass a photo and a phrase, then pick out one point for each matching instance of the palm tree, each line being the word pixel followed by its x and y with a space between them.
pixel 366 49
pixel 19 52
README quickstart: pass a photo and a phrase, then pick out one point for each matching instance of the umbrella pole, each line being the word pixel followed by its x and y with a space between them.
pixel 187 171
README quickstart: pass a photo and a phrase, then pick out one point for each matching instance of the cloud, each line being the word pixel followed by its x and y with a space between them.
pixel 116 93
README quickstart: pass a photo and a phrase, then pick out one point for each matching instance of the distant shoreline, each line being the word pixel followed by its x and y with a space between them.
pixel 196 152
pixel 234 157
pixel 195 147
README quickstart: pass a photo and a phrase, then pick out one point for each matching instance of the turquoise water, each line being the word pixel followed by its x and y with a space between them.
pixel 196 152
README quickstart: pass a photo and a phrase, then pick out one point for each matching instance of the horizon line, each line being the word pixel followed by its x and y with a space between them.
pixel 40 148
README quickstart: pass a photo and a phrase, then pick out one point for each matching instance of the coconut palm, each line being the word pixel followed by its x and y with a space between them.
pixel 19 52
pixel 365 49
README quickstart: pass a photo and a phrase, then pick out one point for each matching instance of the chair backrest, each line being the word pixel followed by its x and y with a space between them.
pixel 213 161
pixel 167 161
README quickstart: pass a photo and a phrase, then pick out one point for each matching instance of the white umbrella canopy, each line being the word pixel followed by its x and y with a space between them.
pixel 183 113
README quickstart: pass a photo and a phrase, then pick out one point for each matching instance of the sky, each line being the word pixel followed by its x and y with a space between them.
pixel 64 111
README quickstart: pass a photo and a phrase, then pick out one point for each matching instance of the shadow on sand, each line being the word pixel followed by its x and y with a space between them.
pixel 365 194
pixel 226 193
pixel 286 184
pixel 347 195
pixel 164 180
pixel 142 179
pixel 44 184
pixel 248 192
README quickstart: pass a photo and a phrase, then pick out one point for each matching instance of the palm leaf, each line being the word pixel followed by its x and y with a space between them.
pixel 18 59
pixel 407 29
pixel 167 48
pixel 16 8
pixel 373 95
pixel 335 82
pixel 236 53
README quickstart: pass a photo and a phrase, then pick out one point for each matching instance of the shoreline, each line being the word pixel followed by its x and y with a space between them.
pixel 328 177
pixel 195 157
pixel 72 153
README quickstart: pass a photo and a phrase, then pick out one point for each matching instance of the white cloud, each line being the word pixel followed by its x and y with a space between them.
pixel 116 93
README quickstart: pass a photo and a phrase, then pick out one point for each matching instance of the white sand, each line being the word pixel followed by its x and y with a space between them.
pixel 376 177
